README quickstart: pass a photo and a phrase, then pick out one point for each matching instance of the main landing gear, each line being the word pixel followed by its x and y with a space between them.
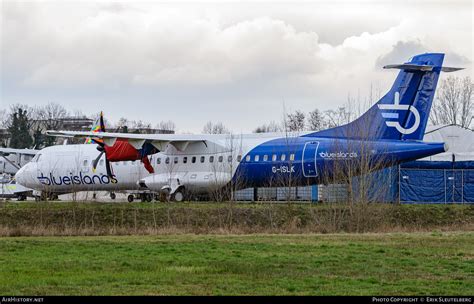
pixel 45 196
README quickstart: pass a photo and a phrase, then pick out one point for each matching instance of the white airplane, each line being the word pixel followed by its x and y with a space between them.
pixel 180 164
pixel 13 159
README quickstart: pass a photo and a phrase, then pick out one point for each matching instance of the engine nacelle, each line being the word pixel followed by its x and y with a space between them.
pixel 122 150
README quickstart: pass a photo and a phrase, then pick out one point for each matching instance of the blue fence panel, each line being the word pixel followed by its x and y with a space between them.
pixel 468 186
pixel 422 186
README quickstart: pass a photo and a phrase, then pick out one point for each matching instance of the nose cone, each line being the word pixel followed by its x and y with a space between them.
pixel 24 177
pixel 20 176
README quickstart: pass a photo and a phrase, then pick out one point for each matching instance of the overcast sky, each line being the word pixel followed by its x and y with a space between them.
pixel 239 63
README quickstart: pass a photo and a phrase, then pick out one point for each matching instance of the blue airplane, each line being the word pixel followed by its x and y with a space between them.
pixel 389 133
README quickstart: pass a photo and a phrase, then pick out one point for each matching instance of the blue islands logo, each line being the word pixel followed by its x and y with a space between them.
pixel 81 179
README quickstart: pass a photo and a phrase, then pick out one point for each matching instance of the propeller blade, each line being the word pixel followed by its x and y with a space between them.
pixel 108 167
pixel 96 161
pixel 102 124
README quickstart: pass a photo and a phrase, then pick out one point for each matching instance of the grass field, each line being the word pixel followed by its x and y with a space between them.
pixel 332 264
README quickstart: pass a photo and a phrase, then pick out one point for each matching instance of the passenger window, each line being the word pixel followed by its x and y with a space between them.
pixel 247 158
pixel 211 159
pixel 292 156
pixel 221 158
pixel 185 159
pixel 274 157
pixel 193 176
pixel 202 159
pixel 193 160
pixel 167 160
pixel 85 163
pixel 256 158
pixel 158 160
pixel 265 157
pixel 239 158
pixel 229 158
pixel 283 157
pixel 176 160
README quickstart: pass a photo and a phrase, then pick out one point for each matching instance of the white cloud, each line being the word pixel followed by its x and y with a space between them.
pixel 217 54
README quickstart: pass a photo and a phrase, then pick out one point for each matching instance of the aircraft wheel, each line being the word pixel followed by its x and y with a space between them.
pixel 112 195
pixel 130 198
pixel 21 197
pixel 37 198
pixel 178 196
pixel 43 196
pixel 148 197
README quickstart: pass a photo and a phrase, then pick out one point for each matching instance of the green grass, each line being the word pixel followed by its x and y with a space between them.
pixel 337 264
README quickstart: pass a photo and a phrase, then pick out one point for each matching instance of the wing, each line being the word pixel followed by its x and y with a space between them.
pixel 160 141
pixel 8 151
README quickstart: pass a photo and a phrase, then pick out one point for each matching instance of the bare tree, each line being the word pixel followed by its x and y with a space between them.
pixel 272 126
pixel 49 117
pixel 316 120
pixel 140 124
pixel 166 125
pixel 338 117
pixel 295 122
pixel 3 118
pixel 454 102
pixel 217 128
pixel 78 114
pixel 122 125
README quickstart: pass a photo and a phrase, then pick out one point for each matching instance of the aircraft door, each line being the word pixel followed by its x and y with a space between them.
pixel 310 152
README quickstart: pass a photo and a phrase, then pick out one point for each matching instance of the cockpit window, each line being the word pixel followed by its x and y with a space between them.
pixel 36 158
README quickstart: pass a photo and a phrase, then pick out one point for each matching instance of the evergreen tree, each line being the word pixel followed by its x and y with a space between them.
pixel 19 130
pixel 38 139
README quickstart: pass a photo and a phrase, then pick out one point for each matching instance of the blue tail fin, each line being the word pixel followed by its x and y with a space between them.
pixel 403 112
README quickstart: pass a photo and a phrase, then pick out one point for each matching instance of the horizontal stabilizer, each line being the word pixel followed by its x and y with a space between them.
pixel 420 67
pixel 450 69
pixel 410 67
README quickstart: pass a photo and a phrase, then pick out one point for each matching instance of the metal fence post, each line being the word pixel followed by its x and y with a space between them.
pixel 399 184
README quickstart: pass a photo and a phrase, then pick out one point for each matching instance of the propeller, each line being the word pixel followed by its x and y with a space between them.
pixel 108 167
pixel 101 148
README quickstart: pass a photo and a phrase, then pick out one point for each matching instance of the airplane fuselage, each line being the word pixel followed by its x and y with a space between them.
pixel 253 160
